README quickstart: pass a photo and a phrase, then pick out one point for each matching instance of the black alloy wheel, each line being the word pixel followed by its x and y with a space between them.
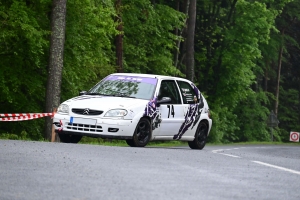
pixel 142 133
pixel 200 136
pixel 67 138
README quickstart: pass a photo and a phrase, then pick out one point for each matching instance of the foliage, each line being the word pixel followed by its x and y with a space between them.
pixel 89 57
pixel 289 113
pixel 148 37
pixel 231 65
pixel 237 45
pixel 252 118
pixel 23 52
pixel 21 136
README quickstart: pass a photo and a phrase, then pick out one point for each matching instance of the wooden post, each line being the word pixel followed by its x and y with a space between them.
pixel 53 134
pixel 53 129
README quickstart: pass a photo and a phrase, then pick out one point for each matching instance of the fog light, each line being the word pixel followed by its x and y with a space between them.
pixel 113 130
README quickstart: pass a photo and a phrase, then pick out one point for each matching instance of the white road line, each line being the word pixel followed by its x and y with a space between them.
pixel 277 167
pixel 229 155
pixel 222 150
pixel 217 151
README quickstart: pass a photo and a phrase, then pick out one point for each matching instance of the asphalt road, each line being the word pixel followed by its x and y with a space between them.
pixel 42 170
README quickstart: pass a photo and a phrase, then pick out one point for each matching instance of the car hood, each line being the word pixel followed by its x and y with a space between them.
pixel 103 102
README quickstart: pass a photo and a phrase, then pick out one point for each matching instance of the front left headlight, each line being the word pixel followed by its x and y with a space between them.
pixel 116 113
pixel 63 109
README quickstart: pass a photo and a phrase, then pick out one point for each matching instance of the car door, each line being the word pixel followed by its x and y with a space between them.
pixel 172 113
pixel 192 105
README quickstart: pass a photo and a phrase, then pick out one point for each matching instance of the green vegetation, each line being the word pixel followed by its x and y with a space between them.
pixel 246 57
pixel 106 142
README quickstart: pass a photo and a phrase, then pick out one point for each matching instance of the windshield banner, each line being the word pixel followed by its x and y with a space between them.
pixel 152 81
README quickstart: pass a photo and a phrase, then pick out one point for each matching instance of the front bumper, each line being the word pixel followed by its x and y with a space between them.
pixel 94 127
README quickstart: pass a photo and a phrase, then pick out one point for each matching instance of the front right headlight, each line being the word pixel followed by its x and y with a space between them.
pixel 63 109
pixel 116 113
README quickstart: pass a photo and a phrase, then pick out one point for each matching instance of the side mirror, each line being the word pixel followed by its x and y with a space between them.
pixel 164 100
pixel 82 93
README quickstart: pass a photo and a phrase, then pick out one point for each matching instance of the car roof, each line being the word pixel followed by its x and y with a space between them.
pixel 150 76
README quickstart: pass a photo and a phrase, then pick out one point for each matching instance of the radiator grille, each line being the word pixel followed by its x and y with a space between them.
pixel 84 127
pixel 86 111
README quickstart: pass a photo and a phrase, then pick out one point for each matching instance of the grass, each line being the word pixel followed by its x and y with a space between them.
pixel 106 142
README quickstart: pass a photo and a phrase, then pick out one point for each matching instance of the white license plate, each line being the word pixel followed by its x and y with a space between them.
pixel 77 120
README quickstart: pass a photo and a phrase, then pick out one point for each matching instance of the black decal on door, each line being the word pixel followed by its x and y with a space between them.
pixel 171 109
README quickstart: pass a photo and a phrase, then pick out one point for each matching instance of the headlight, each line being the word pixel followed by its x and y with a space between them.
pixel 63 109
pixel 116 113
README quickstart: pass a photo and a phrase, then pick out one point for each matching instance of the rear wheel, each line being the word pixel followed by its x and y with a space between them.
pixel 142 134
pixel 67 138
pixel 200 136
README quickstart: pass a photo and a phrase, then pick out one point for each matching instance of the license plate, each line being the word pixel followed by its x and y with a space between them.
pixel 77 120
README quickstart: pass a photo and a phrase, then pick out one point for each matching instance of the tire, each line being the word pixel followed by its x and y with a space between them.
pixel 200 136
pixel 142 133
pixel 130 143
pixel 67 138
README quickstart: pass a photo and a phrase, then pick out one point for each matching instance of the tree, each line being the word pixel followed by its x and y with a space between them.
pixel 149 38
pixel 89 53
pixel 286 82
pixel 23 57
pixel 287 19
pixel 190 60
pixel 119 37
pixel 230 34
pixel 56 58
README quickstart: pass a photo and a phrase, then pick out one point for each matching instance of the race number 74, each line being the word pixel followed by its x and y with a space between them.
pixel 171 110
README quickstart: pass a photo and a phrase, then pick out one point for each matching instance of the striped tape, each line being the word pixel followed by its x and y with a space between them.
pixel 23 116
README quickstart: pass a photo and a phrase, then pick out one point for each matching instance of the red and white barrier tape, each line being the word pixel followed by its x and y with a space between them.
pixel 23 116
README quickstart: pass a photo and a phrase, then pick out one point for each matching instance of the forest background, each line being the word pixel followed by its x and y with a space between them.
pixel 243 55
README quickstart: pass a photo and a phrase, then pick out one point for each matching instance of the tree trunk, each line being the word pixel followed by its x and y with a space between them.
pixel 58 25
pixel 190 60
pixel 119 38
pixel 187 5
pixel 279 66
pixel 266 76
pixel 278 77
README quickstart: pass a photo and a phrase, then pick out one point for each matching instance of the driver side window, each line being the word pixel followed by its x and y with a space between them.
pixel 168 88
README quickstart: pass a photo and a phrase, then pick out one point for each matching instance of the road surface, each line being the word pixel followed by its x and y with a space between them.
pixel 43 170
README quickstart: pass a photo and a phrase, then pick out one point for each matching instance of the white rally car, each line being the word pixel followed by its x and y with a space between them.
pixel 137 108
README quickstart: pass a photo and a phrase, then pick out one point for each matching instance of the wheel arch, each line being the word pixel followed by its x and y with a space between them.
pixel 151 121
pixel 207 124
pixel 140 132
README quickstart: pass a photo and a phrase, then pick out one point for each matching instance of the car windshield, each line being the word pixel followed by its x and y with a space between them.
pixel 125 86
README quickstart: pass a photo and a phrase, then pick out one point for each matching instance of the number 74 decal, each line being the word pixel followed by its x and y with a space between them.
pixel 171 110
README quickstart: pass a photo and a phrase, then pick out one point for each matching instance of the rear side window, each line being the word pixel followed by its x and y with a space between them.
pixel 188 94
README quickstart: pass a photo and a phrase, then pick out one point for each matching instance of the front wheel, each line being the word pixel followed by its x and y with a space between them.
pixel 67 138
pixel 142 134
pixel 200 136
pixel 130 142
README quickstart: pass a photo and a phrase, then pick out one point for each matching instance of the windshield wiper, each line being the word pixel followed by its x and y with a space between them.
pixel 96 93
pixel 114 95
pixel 123 95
